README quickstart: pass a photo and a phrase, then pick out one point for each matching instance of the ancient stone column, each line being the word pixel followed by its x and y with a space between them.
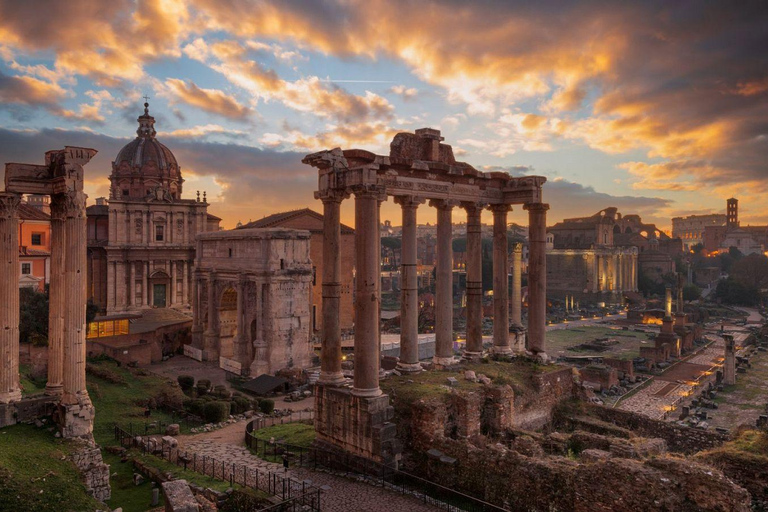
pixel 444 284
pixel 132 282
pixel 120 291
pixel 9 297
pixel 211 304
pixel 184 282
pixel 517 297
pixel 729 366
pixel 409 288
pixel 537 278
pixel 196 311
pixel 78 411
pixel 111 302
pixel 474 348
pixel 57 297
pixel 500 280
pixel 330 354
pixel 240 346
pixel 668 303
pixel 367 287
pixel 145 284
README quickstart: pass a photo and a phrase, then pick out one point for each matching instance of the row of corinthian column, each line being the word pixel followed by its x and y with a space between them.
pixel 67 300
pixel 367 347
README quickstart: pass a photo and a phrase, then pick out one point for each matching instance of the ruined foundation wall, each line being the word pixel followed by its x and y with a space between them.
pixel 87 458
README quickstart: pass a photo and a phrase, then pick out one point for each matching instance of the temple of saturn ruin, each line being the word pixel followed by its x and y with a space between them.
pixel 62 178
pixel 419 169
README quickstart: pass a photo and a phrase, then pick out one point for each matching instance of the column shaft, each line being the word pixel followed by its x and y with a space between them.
pixel 409 288
pixel 367 298
pixel 174 282
pixel 517 284
pixel 56 300
pixel 501 343
pixel 120 291
pixel 330 353
pixel 474 348
pixel 132 282
pixel 444 285
pixel 184 282
pixel 74 312
pixel 145 284
pixel 10 271
pixel 111 282
pixel 537 277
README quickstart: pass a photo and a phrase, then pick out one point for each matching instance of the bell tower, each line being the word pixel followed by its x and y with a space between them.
pixel 732 213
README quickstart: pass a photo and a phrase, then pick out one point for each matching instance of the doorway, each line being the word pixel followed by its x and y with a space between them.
pixel 158 295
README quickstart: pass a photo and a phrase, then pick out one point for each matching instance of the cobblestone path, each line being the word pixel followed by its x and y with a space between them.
pixel 339 495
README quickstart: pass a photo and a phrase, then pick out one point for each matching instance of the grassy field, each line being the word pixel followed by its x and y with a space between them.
pixel 565 342
pixel 297 434
pixel 29 386
pixel 35 473
pixel 742 403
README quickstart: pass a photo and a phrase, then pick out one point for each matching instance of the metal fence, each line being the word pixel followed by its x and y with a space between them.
pixel 373 472
pixel 295 495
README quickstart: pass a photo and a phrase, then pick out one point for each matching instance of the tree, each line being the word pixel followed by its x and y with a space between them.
pixel 751 271
pixel 691 292
pixel 731 291
pixel 33 316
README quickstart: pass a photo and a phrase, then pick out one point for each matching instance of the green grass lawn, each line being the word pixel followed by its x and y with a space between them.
pixel 29 386
pixel 35 473
pixel 563 341
pixel 297 434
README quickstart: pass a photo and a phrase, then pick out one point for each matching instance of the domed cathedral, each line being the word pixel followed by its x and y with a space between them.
pixel 141 242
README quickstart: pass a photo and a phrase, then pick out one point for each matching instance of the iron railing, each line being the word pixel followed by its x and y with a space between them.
pixel 295 495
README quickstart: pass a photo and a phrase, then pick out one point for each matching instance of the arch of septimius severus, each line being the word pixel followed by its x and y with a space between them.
pixel 62 178
pixel 419 169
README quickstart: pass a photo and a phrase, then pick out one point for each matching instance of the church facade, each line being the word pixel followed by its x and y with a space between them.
pixel 141 243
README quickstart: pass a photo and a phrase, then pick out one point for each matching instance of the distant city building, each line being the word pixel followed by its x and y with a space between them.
pixel 747 239
pixel 34 246
pixel 143 246
pixel 691 229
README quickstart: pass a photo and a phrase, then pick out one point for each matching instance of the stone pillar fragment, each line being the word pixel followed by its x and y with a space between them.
pixel 367 292
pixel 10 391
pixel 330 353
pixel 537 278
pixel 78 412
pixel 517 330
pixel 174 282
pixel 145 284
pixel 57 297
pixel 474 348
pixel 444 285
pixel 729 366
pixel 409 289
pixel 500 281
pixel 211 349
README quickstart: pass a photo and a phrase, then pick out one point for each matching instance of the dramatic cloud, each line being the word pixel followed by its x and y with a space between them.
pixel 210 100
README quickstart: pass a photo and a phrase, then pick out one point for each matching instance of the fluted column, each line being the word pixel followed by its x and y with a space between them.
pixel 132 282
pixel 120 291
pixel 196 312
pixel 111 288
pixel 145 283
pixel 517 284
pixel 474 348
pixel 367 292
pixel 78 419
pixel 10 391
pixel 537 278
pixel 444 284
pixel 409 287
pixel 330 353
pixel 501 343
pixel 56 299
pixel 184 282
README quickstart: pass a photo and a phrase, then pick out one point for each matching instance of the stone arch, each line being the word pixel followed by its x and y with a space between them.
pixel 159 284
pixel 616 229
pixel 628 230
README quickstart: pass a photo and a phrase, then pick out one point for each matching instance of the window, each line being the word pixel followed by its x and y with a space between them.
pixel 26 268
pixel 125 192
pixel 37 239
pixel 159 233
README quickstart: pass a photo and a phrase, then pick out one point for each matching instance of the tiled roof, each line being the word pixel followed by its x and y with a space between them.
pixel 26 251
pixel 27 212
pixel 276 219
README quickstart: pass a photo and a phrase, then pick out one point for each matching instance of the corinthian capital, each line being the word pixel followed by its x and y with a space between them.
pixel 70 204
pixel 9 205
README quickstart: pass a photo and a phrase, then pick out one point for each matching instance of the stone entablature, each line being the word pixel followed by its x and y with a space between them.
pixel 251 304
pixel 419 169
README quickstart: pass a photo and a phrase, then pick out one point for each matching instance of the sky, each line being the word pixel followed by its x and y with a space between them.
pixel 657 108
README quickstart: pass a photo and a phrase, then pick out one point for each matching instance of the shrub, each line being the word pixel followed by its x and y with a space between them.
pixel 104 373
pixel 217 411
pixel 208 398
pixel 202 389
pixel 195 407
pixel 204 383
pixel 222 392
pixel 170 398
pixel 267 406
pixel 240 405
pixel 186 382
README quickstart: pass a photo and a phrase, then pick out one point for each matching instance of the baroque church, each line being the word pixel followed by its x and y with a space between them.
pixel 141 242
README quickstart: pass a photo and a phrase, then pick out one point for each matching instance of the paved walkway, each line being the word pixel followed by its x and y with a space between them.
pixel 344 495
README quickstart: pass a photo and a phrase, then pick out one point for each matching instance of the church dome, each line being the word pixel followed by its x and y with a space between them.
pixel 145 167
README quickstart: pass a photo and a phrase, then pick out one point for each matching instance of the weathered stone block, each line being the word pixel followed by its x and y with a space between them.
pixel 179 497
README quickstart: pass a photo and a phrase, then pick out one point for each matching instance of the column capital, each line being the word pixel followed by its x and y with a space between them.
pixel 517 247
pixel 536 207
pixel 68 205
pixel 377 192
pixel 409 201
pixel 9 205
pixel 474 207
pixel 443 204
pixel 331 195
pixel 500 208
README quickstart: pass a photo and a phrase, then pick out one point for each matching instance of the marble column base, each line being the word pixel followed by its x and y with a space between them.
pixel 501 350
pixel 443 361
pixel 12 396
pixel 331 378
pixel 408 367
pixel 471 356
pixel 366 393
pixel 54 390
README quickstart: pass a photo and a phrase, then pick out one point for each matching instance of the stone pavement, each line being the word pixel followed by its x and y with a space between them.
pixel 343 495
